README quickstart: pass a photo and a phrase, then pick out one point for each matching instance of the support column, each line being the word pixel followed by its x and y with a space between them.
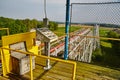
pixel 67 29
pixel 90 52
pixel 96 42
pixel 47 52
pixel 97 32
pixel 94 39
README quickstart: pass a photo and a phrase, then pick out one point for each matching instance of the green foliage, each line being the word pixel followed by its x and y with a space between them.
pixel 20 26
pixel 115 44
pixel 97 55
pixel 2 33
pixel 104 31
pixel 73 28
pixel 53 26
pixel 109 52
pixel 40 25
pixel 112 34
pixel 61 30
pixel 110 25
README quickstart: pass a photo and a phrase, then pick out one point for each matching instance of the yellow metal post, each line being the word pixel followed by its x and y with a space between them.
pixel 2 55
pixel 3 64
pixel 46 57
pixel 74 71
pixel 8 31
pixel 40 49
pixel 31 72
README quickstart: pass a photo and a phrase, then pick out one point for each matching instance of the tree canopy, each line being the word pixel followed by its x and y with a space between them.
pixel 21 26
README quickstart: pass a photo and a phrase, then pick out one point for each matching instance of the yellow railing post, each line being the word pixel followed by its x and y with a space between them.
pixel 3 63
pixel 31 72
pixel 8 31
pixel 46 57
pixel 40 49
pixel 74 71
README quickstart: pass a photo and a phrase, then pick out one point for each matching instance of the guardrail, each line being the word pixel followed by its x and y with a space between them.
pixel 5 29
pixel 104 38
pixel 40 56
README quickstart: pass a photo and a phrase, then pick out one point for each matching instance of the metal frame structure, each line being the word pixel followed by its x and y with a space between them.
pixel 7 29
pixel 46 36
pixel 80 48
pixel 40 56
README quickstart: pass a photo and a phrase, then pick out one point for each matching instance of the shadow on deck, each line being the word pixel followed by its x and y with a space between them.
pixel 62 71
pixel 57 72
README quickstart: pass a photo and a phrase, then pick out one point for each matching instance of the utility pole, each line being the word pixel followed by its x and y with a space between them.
pixel 67 29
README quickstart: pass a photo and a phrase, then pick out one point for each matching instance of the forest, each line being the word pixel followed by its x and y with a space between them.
pixel 25 25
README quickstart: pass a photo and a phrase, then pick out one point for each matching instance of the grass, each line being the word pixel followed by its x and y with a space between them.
pixel 110 59
pixel 61 30
pixel 106 52
pixel 106 44
pixel 103 31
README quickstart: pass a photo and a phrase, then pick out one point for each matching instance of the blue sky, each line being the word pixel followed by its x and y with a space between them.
pixel 33 9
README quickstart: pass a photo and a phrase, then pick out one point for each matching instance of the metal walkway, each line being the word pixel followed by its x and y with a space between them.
pixel 80 48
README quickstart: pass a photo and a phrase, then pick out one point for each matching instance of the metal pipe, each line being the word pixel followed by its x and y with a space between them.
pixel 45 9
pixel 31 68
pixel 46 57
pixel 67 29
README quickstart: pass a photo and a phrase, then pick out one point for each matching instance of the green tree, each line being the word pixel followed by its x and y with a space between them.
pixel 115 44
pixel 53 26
pixel 20 26
pixel 40 25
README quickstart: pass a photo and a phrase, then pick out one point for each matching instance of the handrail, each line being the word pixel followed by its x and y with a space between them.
pixel 46 57
pixel 104 38
pixel 5 29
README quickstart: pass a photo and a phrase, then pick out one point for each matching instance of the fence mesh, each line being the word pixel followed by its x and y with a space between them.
pixel 100 13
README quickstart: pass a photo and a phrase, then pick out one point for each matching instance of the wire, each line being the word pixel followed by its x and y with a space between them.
pixel 45 9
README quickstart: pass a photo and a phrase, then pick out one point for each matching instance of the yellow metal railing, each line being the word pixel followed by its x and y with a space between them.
pixel 104 38
pixel 5 29
pixel 40 56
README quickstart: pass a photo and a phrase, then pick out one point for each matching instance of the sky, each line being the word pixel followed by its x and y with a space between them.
pixel 33 9
pixel 97 13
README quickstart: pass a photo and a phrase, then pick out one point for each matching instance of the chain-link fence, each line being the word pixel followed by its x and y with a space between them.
pixel 107 15
pixel 97 13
